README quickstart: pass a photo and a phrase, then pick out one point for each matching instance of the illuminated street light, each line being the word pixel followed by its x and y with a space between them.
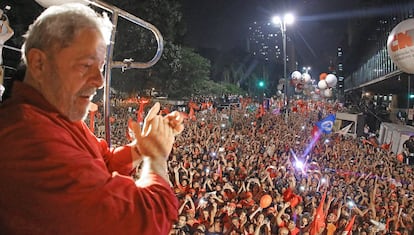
pixel 287 19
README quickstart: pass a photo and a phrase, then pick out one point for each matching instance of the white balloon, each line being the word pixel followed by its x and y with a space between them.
pixel 322 84
pixel 280 87
pixel 399 48
pixel 298 90
pixel 315 97
pixel 296 75
pixel 48 3
pixel 327 92
pixel 331 80
pixel 306 78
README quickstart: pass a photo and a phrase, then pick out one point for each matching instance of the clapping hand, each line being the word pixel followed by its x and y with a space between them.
pixel 157 136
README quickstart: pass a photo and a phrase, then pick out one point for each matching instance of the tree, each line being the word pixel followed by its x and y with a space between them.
pixel 190 73
pixel 135 42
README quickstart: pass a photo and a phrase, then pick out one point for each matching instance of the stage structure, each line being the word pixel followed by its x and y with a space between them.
pixel 395 134
pixel 356 121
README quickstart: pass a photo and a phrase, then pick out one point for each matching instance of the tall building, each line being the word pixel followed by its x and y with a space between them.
pixel 265 44
pixel 371 81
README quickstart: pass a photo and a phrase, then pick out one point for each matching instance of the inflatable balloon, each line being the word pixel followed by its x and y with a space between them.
pixel 296 75
pixel 48 3
pixel 400 45
pixel 280 87
pixel 265 201
pixel 331 80
pixel 306 78
pixel 322 76
pixel 322 84
pixel 400 157
pixel 327 92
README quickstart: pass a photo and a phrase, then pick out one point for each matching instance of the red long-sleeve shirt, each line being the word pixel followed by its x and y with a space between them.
pixel 56 177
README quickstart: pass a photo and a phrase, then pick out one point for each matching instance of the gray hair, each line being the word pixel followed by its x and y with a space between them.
pixel 58 25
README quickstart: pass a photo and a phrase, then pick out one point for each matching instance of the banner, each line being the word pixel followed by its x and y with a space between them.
pixel 326 124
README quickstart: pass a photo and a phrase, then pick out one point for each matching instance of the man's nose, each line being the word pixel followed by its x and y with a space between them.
pixel 97 78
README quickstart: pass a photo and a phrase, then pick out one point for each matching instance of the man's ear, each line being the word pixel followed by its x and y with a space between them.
pixel 36 62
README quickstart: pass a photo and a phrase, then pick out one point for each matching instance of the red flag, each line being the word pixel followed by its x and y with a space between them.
pixel 191 114
pixel 348 228
pixel 315 131
pixel 386 146
pixel 129 134
pixel 165 111
pixel 220 172
pixel 260 112
pixel 318 222
pixel 193 105
pixel 140 112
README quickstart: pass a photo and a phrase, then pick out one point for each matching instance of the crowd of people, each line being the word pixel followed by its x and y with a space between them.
pixel 227 162
pixel 241 169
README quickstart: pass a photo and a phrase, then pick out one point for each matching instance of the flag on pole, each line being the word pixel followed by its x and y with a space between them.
pixel 326 124
pixel 129 132
pixel 318 222
pixel 348 228
pixel 344 130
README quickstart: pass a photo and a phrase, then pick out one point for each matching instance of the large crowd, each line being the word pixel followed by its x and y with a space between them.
pixel 237 172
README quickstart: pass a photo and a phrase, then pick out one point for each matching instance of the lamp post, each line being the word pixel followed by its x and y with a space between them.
pixel 287 19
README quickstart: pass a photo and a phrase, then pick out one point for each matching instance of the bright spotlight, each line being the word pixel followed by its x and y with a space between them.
pixel 299 165
pixel 276 20
pixel 289 18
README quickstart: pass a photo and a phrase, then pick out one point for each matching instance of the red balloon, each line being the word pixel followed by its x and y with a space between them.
pixel 294 201
pixel 400 157
pixel 322 76
pixel 265 201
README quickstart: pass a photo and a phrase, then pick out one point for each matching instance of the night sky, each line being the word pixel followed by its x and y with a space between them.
pixel 319 25
pixel 223 24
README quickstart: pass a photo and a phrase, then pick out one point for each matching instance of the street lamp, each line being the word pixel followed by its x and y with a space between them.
pixel 306 69
pixel 287 19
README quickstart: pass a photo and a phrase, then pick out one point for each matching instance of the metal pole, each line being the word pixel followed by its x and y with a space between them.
pixel 408 99
pixel 283 25
pixel 107 88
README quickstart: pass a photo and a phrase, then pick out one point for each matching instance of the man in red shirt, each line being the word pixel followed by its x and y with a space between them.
pixel 56 177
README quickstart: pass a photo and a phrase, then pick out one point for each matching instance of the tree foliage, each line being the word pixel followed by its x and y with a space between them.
pixel 180 71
